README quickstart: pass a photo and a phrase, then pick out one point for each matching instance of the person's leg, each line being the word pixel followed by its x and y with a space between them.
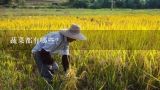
pixel 38 61
pixel 43 68
pixel 48 60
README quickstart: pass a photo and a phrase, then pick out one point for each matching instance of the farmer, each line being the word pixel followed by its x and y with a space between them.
pixel 55 42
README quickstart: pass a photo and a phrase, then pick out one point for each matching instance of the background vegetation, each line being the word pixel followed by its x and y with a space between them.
pixel 134 4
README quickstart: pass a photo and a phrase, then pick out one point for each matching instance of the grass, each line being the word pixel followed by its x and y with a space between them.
pixel 33 12
pixel 115 57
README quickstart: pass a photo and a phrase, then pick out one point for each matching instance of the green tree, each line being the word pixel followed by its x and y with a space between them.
pixel 6 1
pixel 120 3
pixel 80 3
pixel 153 3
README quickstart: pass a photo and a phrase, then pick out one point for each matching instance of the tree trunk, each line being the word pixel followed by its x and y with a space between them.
pixel 112 4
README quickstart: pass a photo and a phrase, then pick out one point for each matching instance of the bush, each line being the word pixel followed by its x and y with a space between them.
pixel 120 4
pixel 80 4
pixel 95 5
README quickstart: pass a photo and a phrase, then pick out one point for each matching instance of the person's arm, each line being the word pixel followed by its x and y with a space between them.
pixel 65 62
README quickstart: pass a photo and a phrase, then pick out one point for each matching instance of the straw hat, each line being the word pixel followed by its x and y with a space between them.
pixel 73 32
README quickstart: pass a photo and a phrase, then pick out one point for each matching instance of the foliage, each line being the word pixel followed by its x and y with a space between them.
pixel 117 3
pixel 80 4
pixel 135 4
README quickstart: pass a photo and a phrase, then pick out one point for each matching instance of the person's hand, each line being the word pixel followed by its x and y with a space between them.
pixel 53 68
pixel 67 73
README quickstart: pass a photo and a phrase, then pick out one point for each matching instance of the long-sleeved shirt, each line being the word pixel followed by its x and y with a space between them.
pixel 54 42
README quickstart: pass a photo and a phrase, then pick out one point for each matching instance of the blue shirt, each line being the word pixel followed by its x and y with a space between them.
pixel 53 42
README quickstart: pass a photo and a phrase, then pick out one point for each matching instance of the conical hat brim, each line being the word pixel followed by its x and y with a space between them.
pixel 73 36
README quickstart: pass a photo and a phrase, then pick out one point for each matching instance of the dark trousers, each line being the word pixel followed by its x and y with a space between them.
pixel 44 63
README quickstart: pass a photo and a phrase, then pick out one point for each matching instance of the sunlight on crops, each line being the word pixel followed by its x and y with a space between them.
pixel 112 22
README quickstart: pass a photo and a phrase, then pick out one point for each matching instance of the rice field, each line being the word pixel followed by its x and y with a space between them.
pixel 98 22
pixel 121 52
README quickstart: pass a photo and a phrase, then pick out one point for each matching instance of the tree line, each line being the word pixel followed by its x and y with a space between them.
pixel 135 4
